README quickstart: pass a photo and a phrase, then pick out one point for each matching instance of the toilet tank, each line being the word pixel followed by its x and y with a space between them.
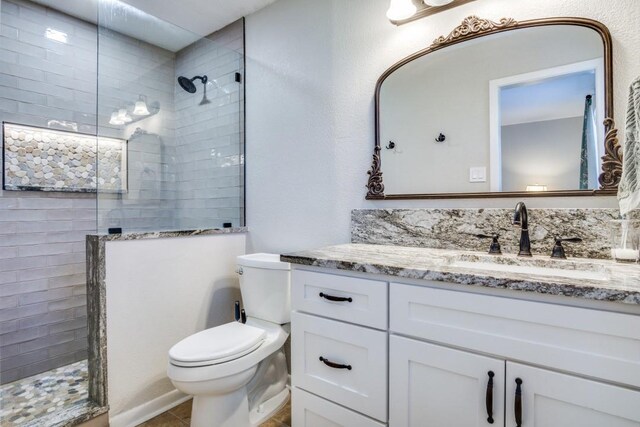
pixel 265 284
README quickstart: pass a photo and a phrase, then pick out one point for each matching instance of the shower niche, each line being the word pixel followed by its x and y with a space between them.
pixel 42 159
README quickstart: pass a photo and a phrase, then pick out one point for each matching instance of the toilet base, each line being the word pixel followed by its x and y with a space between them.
pixel 229 410
pixel 269 408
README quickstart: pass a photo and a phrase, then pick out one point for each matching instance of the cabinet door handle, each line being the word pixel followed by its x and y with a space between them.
pixel 334 365
pixel 518 403
pixel 489 397
pixel 336 299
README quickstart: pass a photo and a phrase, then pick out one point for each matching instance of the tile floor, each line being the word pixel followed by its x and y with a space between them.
pixel 27 401
pixel 180 416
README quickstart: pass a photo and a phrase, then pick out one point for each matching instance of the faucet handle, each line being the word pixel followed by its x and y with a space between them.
pixel 494 249
pixel 558 250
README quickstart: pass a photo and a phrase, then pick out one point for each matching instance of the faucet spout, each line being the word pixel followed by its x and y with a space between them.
pixel 521 219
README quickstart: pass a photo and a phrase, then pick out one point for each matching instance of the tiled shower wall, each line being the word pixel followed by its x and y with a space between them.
pixel 42 272
pixel 42 249
pixel 209 138
pixel 128 68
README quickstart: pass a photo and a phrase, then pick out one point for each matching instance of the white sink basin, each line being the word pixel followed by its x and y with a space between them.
pixel 560 269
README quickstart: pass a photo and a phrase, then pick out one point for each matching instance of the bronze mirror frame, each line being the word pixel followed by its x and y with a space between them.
pixel 472 28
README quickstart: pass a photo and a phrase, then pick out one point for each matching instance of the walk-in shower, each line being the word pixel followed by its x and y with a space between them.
pixel 104 140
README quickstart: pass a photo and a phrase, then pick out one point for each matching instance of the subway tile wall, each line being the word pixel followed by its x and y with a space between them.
pixel 209 138
pixel 42 255
pixel 128 68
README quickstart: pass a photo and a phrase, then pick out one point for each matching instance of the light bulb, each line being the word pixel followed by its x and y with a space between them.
pixel 115 119
pixel 401 9
pixel 536 187
pixel 140 108
pixel 437 2
pixel 124 116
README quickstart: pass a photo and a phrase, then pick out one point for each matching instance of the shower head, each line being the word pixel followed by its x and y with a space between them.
pixel 187 84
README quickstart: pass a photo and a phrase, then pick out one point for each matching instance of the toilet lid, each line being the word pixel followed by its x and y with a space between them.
pixel 217 345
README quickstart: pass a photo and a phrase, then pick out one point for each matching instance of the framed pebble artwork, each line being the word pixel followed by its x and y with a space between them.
pixel 41 159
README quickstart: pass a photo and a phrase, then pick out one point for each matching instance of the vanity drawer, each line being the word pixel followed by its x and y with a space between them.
pixel 353 368
pixel 308 410
pixel 590 342
pixel 362 301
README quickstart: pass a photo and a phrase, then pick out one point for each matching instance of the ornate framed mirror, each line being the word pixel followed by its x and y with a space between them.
pixel 499 109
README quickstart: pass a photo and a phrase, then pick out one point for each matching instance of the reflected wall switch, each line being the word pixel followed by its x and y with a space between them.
pixel 478 174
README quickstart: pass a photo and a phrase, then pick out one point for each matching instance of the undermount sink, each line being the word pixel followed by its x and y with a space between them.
pixel 532 266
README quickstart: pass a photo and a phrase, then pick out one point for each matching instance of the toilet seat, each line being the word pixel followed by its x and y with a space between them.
pixel 217 345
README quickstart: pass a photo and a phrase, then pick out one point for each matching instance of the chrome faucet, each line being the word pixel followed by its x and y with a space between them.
pixel 521 219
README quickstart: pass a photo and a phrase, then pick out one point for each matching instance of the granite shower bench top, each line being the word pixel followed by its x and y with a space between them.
pixel 142 235
pixel 610 281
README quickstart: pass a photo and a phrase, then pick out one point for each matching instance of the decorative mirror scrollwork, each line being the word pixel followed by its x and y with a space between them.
pixel 608 148
pixel 612 160
pixel 374 185
pixel 472 26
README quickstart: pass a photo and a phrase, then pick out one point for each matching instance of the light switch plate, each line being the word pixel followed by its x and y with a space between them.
pixel 478 174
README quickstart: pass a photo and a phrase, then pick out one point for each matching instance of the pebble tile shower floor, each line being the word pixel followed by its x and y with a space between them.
pixel 26 402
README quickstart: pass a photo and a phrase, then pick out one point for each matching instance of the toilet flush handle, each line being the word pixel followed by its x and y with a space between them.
pixel 240 271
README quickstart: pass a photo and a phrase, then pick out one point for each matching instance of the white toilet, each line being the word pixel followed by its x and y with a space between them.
pixel 237 373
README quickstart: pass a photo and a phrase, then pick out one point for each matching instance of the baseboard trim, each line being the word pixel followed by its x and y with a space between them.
pixel 148 410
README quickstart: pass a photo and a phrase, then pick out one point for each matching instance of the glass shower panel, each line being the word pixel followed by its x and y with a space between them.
pixel 170 155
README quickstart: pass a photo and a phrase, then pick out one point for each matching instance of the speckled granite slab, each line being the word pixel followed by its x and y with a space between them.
pixel 457 229
pixel 169 234
pixel 597 280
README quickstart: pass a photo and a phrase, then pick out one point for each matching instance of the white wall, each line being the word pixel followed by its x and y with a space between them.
pixel 160 291
pixel 311 73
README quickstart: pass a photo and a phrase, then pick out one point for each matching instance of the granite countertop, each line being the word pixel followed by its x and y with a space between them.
pixel 600 280
pixel 166 234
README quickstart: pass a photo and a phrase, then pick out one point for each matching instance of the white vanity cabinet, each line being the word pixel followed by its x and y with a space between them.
pixel 433 385
pixel 455 358
pixel 339 348
pixel 550 399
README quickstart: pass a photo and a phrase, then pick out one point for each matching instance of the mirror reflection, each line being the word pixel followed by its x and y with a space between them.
pixel 520 110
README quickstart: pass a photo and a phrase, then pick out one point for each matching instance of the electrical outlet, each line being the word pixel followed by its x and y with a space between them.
pixel 478 174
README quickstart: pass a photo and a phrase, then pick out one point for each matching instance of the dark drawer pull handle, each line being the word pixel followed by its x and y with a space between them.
pixel 518 403
pixel 336 299
pixel 489 397
pixel 334 365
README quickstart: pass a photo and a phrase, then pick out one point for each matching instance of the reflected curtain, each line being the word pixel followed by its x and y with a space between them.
pixel 589 146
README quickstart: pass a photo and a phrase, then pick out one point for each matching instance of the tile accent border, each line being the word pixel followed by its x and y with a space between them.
pixel 97 302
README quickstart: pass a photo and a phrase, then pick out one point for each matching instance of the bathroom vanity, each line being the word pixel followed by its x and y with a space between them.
pixel 399 336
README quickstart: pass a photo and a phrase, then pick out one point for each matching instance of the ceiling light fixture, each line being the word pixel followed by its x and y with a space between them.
pixel 404 11
pixel 140 109
pixel 115 119
pixel 437 3
pixel 124 116
pixel 401 9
